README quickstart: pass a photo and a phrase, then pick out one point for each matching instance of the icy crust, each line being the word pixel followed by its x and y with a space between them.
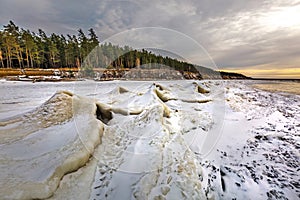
pixel 258 158
pixel 153 137
pixel 55 111
pixel 52 152
pixel 144 154
pixel 38 148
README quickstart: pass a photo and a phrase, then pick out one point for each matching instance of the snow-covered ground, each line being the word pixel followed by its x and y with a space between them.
pixel 148 140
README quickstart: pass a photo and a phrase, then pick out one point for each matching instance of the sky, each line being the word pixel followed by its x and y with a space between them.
pixel 258 38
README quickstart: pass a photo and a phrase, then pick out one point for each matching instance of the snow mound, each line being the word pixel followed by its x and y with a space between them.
pixel 38 148
pixel 143 154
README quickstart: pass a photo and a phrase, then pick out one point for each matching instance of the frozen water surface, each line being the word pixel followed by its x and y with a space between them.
pixel 148 140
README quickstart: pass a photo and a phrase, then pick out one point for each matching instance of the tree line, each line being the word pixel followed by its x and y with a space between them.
pixel 20 48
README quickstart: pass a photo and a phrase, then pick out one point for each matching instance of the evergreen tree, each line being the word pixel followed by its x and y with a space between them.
pixel 83 44
pixel 53 44
pixel 1 49
pixel 93 40
pixel 29 47
pixel 10 43
pixel 43 43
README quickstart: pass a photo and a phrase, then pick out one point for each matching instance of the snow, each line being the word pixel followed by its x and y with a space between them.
pixel 258 155
pixel 148 140
pixel 35 156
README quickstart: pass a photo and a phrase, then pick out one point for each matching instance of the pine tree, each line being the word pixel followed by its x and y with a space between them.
pixel 29 47
pixel 10 42
pixel 43 55
pixel 93 48
pixel 53 50
pixel 1 49
pixel 93 40
pixel 84 45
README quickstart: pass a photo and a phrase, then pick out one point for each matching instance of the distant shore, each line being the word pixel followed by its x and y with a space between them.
pixel 104 74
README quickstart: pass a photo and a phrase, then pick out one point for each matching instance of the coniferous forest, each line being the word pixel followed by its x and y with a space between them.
pixel 24 49
pixel 20 48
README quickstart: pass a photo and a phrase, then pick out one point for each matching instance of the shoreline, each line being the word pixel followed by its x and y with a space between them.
pixel 101 74
pixel 104 74
pixel 41 78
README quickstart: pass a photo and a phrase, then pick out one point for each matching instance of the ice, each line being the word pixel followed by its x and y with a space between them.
pixel 35 156
pixel 148 140
pixel 258 153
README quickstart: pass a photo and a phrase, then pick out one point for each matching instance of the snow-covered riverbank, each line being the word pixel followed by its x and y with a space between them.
pixel 145 140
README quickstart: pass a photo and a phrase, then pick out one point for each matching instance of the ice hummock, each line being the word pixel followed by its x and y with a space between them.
pixel 143 155
pixel 38 148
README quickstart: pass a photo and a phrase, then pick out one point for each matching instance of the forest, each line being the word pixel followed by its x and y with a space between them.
pixel 22 48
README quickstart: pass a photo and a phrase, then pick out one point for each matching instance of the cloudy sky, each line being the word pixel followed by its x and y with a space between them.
pixel 258 38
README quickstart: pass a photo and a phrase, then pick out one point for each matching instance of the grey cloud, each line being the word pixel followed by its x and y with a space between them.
pixel 229 30
pixel 276 49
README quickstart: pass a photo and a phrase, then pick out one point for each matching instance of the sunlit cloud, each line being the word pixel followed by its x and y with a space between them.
pixel 293 73
pixel 282 17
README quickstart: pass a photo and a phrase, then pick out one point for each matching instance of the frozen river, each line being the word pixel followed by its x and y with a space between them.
pixel 146 140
